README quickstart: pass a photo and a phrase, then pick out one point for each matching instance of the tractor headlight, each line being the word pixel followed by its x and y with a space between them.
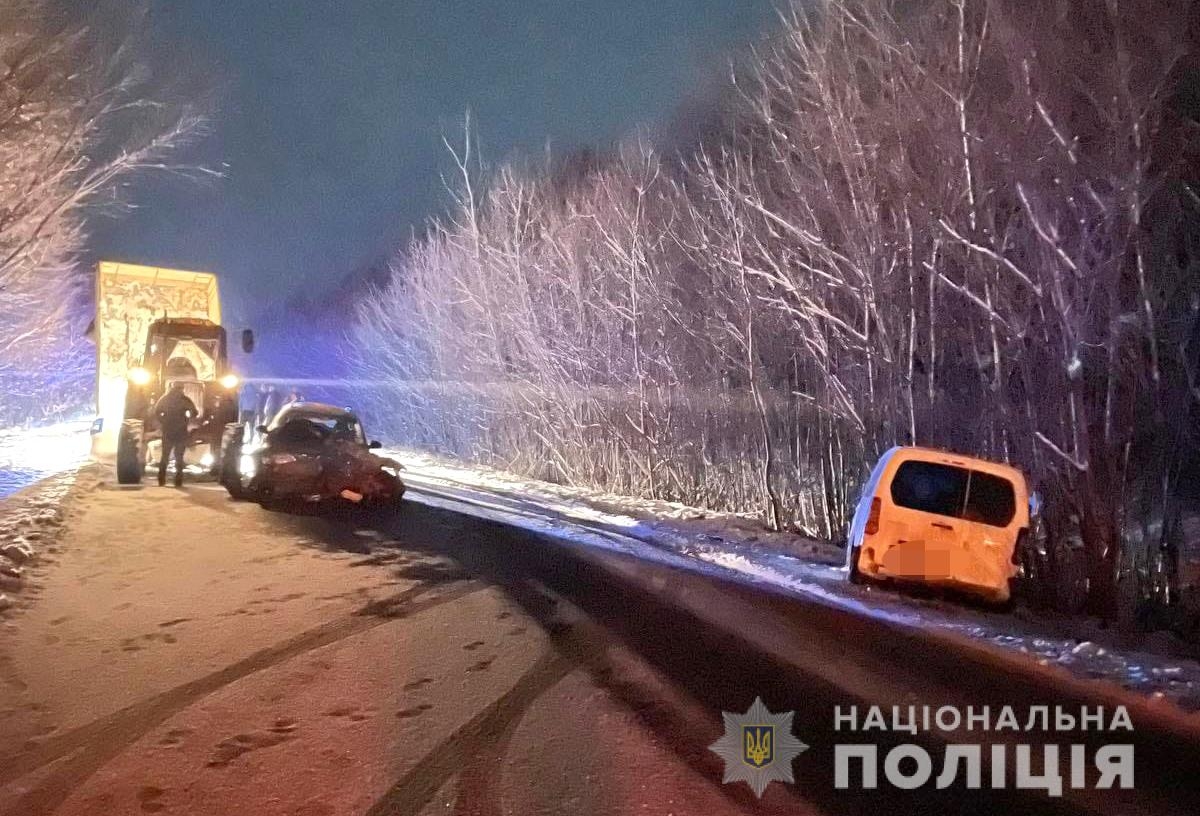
pixel 230 382
pixel 246 465
pixel 139 376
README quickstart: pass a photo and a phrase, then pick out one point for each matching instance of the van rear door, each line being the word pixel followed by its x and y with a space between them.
pixel 933 536
pixel 988 518
pixel 963 523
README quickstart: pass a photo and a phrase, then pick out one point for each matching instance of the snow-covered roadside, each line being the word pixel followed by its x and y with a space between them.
pixel 621 511
pixel 1156 666
pixel 38 467
pixel 29 523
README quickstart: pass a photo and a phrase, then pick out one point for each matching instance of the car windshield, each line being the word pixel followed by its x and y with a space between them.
pixel 345 427
pixel 957 492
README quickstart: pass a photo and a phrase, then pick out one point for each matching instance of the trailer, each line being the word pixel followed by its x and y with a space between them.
pixel 154 327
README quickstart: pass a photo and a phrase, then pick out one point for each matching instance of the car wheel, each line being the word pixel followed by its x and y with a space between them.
pixel 231 477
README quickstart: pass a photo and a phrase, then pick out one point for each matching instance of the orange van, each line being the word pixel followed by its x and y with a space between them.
pixel 938 518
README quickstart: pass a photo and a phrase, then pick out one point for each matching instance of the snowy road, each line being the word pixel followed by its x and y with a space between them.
pixel 184 654
pixel 181 653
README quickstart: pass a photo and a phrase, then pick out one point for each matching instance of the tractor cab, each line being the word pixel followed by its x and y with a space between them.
pixel 191 351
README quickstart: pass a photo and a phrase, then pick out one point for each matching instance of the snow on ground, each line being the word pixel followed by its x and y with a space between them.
pixel 621 511
pixel 1156 665
pixel 37 468
pixel 29 521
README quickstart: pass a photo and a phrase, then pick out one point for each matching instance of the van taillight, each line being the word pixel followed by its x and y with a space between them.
pixel 873 518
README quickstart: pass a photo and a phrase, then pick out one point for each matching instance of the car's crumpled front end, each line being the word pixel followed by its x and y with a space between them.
pixel 358 475
pixel 290 476
pixel 339 469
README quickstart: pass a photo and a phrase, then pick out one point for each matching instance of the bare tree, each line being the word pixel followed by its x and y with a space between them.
pixel 946 224
pixel 75 118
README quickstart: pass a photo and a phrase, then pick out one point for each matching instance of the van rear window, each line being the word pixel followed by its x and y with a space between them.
pixel 946 490
pixel 930 487
pixel 990 500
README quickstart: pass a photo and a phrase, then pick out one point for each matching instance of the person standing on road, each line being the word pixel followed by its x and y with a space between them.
pixel 174 411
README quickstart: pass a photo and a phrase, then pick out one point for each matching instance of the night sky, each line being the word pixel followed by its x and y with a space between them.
pixel 329 115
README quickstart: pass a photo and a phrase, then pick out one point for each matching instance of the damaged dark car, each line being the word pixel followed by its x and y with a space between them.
pixel 312 453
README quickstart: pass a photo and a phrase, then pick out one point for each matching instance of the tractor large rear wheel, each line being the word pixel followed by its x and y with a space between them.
pixel 131 452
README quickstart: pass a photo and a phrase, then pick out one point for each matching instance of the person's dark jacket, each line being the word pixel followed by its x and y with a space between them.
pixel 174 410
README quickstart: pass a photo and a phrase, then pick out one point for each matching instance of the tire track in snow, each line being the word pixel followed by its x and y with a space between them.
pixel 89 747
pixel 486 733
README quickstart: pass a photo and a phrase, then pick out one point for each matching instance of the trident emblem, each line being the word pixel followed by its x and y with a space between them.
pixel 760 745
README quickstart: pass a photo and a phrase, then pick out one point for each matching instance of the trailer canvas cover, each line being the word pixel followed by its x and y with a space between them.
pixel 128 299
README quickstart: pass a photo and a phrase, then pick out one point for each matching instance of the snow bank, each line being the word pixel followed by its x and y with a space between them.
pixel 29 521
pixel 619 511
